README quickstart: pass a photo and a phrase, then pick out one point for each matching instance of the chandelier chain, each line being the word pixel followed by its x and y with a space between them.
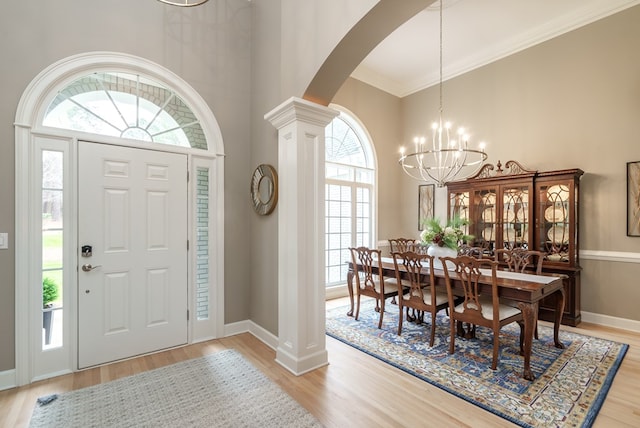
pixel 449 157
pixel 440 46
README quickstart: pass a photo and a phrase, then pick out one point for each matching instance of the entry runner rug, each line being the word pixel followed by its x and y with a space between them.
pixel 219 390
pixel 570 385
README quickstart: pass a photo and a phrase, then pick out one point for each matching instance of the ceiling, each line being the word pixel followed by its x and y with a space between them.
pixel 475 33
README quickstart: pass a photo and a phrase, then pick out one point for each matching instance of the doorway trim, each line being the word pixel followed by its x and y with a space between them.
pixel 29 130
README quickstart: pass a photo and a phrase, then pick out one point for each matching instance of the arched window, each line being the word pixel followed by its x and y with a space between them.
pixel 349 193
pixel 127 106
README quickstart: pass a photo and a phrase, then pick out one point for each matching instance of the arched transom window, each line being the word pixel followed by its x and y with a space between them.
pixel 127 106
pixel 349 193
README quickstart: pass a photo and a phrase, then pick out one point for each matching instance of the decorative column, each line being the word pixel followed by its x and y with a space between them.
pixel 301 275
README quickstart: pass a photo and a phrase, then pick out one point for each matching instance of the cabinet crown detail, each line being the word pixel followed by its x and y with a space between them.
pixel 513 168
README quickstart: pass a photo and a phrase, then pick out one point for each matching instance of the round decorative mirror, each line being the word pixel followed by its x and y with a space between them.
pixel 264 189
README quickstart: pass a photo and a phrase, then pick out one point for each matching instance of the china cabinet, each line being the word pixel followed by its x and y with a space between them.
pixel 516 207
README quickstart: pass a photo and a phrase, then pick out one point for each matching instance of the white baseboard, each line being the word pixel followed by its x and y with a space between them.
pixel 609 321
pixel 336 292
pixel 237 328
pixel 269 339
pixel 248 326
pixel 8 379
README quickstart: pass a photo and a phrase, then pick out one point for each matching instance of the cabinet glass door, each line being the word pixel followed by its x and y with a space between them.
pixel 459 206
pixel 486 213
pixel 515 217
pixel 555 220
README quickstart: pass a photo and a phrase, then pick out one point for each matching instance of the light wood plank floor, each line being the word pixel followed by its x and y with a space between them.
pixel 354 390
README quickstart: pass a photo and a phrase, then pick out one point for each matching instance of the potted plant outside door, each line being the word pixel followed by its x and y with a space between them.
pixel 49 295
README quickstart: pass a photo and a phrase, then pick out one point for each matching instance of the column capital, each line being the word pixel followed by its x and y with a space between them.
pixel 299 110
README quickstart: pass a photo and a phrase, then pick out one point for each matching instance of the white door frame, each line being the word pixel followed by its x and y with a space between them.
pixel 30 137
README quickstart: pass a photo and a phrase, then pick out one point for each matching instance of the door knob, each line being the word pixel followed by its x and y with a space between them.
pixel 89 268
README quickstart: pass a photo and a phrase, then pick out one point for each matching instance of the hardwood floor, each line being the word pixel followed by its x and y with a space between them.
pixel 354 390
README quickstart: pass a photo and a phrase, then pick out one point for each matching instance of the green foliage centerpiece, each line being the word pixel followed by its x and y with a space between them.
pixel 443 241
pixel 450 236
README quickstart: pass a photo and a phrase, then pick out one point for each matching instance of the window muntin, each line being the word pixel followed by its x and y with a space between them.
pixel 349 189
pixel 127 106
pixel 52 248
pixel 203 299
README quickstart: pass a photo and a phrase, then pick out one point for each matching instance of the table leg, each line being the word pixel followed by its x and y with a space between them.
pixel 529 313
pixel 560 297
pixel 350 288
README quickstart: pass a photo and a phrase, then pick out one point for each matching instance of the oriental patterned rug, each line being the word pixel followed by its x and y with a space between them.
pixel 570 386
pixel 219 390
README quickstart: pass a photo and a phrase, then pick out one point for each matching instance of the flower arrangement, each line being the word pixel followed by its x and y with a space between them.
pixel 449 236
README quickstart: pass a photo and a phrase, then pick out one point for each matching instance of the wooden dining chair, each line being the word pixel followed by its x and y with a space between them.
pixel 484 310
pixel 401 245
pixel 520 259
pixel 468 250
pixel 423 294
pixel 369 283
pixel 523 261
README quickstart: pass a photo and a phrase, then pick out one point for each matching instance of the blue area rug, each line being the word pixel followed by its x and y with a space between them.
pixel 570 386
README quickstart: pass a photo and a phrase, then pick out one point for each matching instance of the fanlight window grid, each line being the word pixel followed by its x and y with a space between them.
pixel 126 106
pixel 348 194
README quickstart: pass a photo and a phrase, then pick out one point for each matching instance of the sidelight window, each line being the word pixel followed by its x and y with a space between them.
pixel 52 248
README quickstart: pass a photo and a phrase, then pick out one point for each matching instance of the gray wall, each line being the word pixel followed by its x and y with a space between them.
pixel 209 47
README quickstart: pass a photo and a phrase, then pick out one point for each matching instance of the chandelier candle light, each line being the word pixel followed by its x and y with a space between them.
pixel 447 157
pixel 184 3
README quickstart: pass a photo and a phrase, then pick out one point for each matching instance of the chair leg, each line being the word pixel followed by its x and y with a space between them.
pixel 496 349
pixel 535 329
pixel 357 308
pixel 400 321
pixel 433 328
pixel 381 312
pixel 452 333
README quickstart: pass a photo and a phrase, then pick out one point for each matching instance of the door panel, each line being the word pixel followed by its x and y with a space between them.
pixel 133 212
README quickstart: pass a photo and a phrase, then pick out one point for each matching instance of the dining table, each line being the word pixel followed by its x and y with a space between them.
pixel 524 289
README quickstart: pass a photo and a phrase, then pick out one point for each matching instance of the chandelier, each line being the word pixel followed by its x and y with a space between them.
pixel 184 3
pixel 447 156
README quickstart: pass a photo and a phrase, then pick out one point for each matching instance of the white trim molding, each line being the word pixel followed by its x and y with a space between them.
pixel 248 326
pixel 610 256
pixel 609 321
pixel 8 379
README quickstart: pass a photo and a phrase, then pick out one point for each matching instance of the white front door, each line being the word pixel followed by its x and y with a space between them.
pixel 132 289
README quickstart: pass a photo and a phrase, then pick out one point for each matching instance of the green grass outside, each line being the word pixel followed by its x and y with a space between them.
pixel 52 259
